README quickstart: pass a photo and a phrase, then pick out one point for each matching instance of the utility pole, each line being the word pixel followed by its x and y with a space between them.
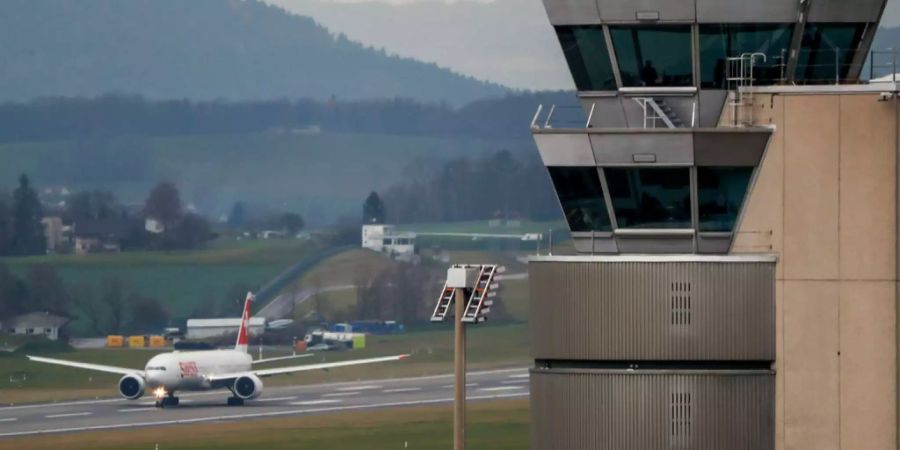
pixel 459 353
pixel 469 291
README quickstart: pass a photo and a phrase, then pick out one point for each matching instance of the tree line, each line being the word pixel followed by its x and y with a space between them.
pixel 497 185
pixel 129 115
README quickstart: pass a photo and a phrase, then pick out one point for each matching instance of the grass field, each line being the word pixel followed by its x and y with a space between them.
pixel 432 353
pixel 494 425
pixel 179 279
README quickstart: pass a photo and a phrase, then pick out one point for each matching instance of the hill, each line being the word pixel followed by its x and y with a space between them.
pixel 202 49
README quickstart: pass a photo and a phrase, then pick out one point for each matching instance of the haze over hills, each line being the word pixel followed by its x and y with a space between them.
pixel 202 49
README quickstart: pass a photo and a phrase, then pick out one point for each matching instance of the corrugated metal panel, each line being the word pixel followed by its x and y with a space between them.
pixel 616 410
pixel 653 310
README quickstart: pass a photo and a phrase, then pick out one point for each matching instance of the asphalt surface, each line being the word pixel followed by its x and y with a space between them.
pixel 281 401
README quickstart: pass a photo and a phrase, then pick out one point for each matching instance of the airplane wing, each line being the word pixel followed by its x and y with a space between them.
pixel 87 366
pixel 281 358
pixel 292 369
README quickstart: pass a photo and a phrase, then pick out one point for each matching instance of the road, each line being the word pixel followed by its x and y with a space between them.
pixel 109 414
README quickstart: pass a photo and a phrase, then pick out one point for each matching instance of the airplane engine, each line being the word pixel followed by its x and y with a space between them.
pixel 131 386
pixel 248 387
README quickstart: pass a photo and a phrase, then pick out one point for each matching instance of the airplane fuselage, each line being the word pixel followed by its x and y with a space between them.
pixel 184 371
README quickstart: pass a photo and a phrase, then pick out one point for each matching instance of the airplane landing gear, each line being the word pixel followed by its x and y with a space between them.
pixel 170 400
pixel 235 401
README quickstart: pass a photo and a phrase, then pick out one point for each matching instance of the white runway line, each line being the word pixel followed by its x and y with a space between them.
pixel 341 394
pixel 450 386
pixel 260 415
pixel 515 381
pixel 11 419
pixel 502 388
pixel 359 388
pixel 78 414
pixel 276 399
pixel 523 375
pixel 388 391
pixel 315 402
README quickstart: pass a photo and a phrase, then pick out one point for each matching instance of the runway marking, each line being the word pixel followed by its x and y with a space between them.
pixel 359 388
pixel 276 399
pixel 388 391
pixel 315 402
pixel 501 388
pixel 260 415
pixel 522 375
pixel 136 410
pixel 78 414
pixel 451 386
pixel 11 419
pixel 341 394
pixel 515 381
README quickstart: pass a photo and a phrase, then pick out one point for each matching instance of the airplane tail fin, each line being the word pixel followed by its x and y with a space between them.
pixel 244 330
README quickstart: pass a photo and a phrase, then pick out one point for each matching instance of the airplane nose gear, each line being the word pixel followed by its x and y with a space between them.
pixel 169 400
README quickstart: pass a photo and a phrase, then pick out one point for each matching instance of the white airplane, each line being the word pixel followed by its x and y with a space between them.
pixel 167 373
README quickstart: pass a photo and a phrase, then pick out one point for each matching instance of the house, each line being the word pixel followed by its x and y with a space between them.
pixel 384 239
pixel 99 236
pixel 154 226
pixel 36 324
pixel 56 233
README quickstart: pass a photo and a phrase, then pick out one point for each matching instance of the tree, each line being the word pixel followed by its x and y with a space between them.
pixel 112 297
pixel 237 218
pixel 5 224
pixel 291 223
pixel 164 204
pixel 148 315
pixel 27 230
pixel 46 291
pixel 373 209
pixel 93 205
pixel 12 293
pixel 92 310
pixel 191 232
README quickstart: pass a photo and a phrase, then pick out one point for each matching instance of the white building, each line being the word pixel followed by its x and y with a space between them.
pixel 209 328
pixel 36 324
pixel 385 239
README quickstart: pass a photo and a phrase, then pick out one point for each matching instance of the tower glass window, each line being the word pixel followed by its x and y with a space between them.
pixel 722 41
pixel 588 57
pixel 655 55
pixel 720 194
pixel 651 197
pixel 827 51
pixel 581 197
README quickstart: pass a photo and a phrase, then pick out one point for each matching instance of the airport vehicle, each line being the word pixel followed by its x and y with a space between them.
pixel 167 373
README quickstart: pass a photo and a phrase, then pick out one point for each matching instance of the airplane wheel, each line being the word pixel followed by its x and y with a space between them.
pixel 235 401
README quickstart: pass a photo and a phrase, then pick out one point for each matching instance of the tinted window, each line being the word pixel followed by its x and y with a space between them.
pixel 827 51
pixel 719 42
pixel 588 58
pixel 650 198
pixel 581 197
pixel 720 194
pixel 654 55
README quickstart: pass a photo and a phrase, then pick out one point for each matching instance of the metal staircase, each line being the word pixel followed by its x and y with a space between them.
pixel 657 111
pixel 740 78
pixel 442 309
pixel 479 304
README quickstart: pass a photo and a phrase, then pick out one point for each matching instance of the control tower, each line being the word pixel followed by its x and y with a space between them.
pixel 732 194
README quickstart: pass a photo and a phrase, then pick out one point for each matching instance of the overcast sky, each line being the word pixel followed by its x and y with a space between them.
pixel 505 41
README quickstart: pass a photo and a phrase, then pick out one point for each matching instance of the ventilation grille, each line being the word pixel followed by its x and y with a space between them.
pixel 680 301
pixel 681 417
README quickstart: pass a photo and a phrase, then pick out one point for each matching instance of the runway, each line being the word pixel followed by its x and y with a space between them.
pixel 280 401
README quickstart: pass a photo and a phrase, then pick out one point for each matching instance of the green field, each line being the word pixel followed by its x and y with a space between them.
pixel 494 425
pixel 179 279
pixel 432 354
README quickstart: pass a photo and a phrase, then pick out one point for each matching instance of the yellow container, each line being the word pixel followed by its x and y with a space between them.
pixel 115 341
pixel 157 341
pixel 136 342
pixel 359 341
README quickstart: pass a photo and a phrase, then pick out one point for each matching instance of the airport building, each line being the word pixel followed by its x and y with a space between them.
pixel 732 192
